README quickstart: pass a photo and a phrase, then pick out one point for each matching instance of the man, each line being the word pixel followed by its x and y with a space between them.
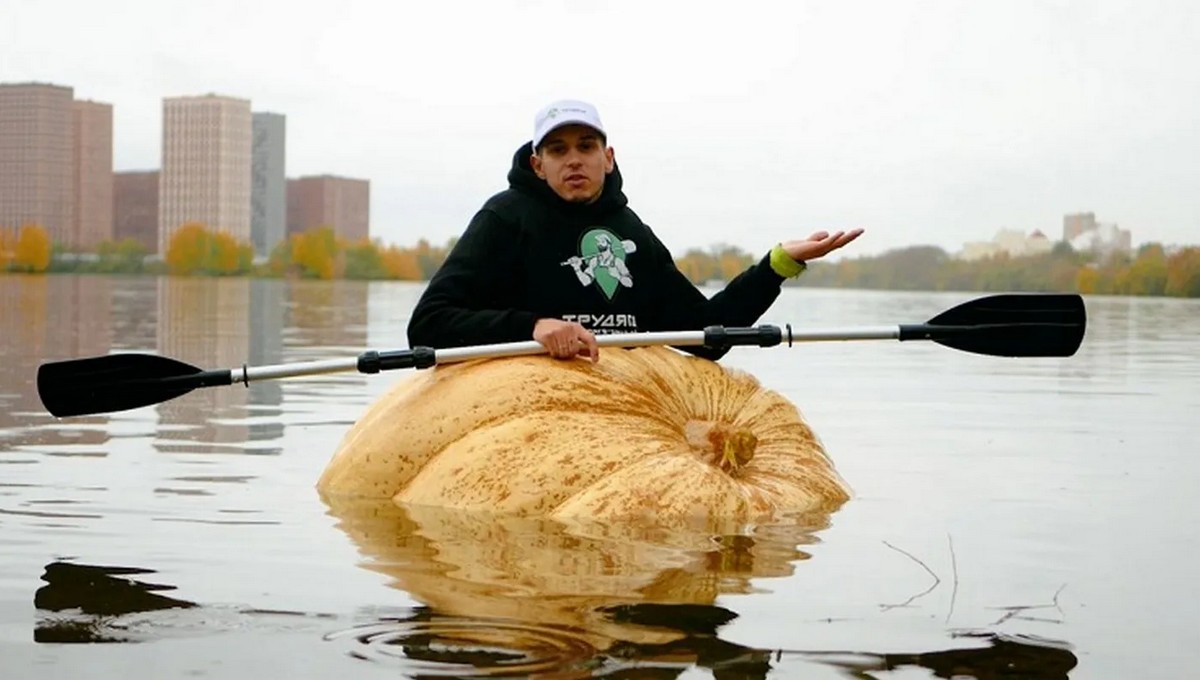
pixel 560 257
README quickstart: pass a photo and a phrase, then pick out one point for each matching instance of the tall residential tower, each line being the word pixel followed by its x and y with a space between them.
pixel 55 163
pixel 205 175
pixel 268 195
pixel 93 167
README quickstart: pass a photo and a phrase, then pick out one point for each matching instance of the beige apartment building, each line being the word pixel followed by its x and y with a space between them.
pixel 93 168
pixel 56 163
pixel 36 158
pixel 327 200
pixel 206 161
pixel 135 207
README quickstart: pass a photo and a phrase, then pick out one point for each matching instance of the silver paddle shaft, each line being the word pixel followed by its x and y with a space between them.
pixel 248 374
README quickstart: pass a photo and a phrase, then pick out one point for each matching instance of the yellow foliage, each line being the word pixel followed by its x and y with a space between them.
pixel 732 263
pixel 1183 273
pixel 1086 280
pixel 697 266
pixel 402 263
pixel 225 252
pixel 187 250
pixel 194 249
pixel 316 252
pixel 724 263
pixel 32 251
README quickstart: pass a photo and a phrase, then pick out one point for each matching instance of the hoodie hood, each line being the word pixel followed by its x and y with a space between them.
pixel 522 178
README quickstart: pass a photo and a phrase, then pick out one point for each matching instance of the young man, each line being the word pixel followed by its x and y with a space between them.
pixel 560 257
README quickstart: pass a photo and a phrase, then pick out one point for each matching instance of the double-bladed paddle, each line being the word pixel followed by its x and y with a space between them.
pixel 1011 325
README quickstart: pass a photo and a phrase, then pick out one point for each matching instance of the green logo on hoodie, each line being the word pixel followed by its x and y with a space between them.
pixel 601 260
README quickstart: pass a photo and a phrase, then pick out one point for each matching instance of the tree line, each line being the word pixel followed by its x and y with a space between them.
pixel 1151 270
pixel 195 250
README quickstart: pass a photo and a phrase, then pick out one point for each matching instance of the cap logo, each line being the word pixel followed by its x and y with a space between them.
pixel 548 118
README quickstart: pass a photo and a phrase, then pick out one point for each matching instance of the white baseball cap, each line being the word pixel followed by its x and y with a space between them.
pixel 565 112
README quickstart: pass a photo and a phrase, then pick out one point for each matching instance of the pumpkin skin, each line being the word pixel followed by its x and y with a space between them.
pixel 646 433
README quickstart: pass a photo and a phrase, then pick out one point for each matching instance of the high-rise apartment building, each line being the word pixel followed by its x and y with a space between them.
pixel 56 163
pixel 268 195
pixel 341 203
pixel 93 161
pixel 205 176
pixel 1078 223
pixel 37 158
pixel 135 207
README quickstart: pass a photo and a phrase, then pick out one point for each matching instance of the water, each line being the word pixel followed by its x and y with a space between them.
pixel 1028 516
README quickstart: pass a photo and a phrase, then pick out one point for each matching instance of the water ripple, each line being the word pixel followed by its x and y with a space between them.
pixel 460 647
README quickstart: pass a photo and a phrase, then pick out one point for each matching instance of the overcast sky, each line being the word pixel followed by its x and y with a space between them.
pixel 934 122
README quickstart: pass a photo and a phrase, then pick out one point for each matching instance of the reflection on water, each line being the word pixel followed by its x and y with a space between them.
pixel 533 569
pixel 997 657
pixel 52 317
pixel 82 602
pixel 513 595
pixel 571 575
pixel 208 322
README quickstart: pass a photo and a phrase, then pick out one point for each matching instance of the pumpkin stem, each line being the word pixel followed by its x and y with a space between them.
pixel 727 447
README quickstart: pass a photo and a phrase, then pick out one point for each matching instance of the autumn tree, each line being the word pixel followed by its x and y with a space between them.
pixel 1147 275
pixel 1183 273
pixel 188 250
pixel 316 252
pixel 730 261
pixel 364 261
pixel 402 264
pixel 194 250
pixel 697 265
pixel 32 250
pixel 1087 280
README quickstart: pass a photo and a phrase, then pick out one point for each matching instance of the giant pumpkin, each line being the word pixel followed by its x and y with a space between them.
pixel 649 433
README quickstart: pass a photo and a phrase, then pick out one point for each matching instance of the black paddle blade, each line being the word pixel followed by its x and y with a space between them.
pixel 1009 325
pixel 116 382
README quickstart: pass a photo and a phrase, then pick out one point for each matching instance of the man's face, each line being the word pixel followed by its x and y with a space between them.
pixel 574 162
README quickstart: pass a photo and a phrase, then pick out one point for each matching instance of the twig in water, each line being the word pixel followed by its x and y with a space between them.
pixel 936 580
pixel 954 566
pixel 1013 611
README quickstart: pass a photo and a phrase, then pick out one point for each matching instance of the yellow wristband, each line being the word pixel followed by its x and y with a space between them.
pixel 783 264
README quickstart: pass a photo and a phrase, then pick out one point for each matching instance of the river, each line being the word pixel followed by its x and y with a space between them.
pixel 1035 517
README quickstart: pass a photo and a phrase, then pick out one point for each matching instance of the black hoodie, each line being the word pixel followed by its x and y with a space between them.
pixel 527 254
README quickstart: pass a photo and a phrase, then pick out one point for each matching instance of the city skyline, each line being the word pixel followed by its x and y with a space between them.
pixel 222 166
pixel 281 205
pixel 934 123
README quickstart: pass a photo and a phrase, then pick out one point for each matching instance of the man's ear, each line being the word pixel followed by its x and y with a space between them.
pixel 535 162
pixel 609 159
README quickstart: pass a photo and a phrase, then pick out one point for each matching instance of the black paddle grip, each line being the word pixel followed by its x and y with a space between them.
pixel 417 357
pixel 763 336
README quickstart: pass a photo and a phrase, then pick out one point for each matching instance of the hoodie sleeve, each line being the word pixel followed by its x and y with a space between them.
pixel 682 306
pixel 467 301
